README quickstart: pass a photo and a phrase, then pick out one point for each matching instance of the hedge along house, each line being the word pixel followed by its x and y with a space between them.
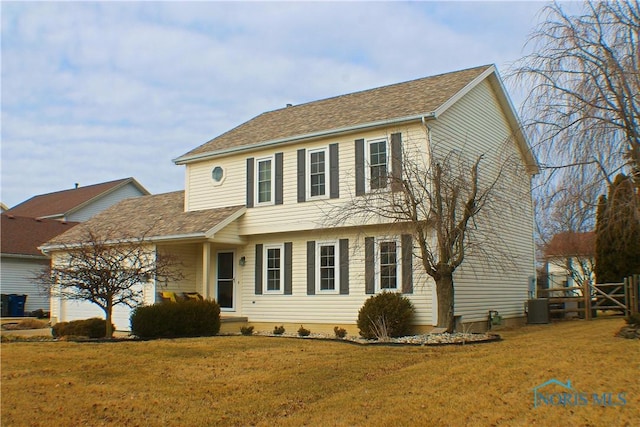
pixel 253 228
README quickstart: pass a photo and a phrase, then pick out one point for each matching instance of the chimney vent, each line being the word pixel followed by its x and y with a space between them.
pixel 289 105
pixel 77 185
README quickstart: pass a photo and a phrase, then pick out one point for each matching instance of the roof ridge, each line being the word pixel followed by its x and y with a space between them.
pixel 391 85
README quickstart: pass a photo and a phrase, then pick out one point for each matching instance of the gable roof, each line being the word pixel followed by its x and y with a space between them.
pixel 413 100
pixel 156 218
pixel 22 236
pixel 569 244
pixel 61 203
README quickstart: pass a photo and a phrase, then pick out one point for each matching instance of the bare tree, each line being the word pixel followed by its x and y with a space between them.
pixel 106 271
pixel 584 106
pixel 438 201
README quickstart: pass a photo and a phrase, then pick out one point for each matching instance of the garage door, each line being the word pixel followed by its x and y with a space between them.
pixel 80 310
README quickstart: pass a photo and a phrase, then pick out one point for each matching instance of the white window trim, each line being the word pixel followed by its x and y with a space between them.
pixel 327 175
pixel 265 268
pixel 224 176
pixel 273 181
pixel 336 252
pixel 377 263
pixel 367 163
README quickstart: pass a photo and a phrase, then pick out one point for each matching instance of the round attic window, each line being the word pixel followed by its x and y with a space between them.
pixel 217 174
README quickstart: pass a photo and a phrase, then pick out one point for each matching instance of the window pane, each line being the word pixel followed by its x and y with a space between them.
pixel 327 268
pixel 317 173
pixel 264 181
pixel 378 164
pixel 388 265
pixel 273 269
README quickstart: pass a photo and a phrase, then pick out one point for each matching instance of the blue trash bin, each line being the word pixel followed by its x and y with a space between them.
pixel 16 305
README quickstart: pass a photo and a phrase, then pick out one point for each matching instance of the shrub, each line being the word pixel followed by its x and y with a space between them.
pixel 303 332
pixel 388 314
pixel 278 330
pixel 246 330
pixel 340 332
pixel 91 328
pixel 191 318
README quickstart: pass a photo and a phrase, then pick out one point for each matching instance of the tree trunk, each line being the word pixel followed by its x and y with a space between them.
pixel 444 289
pixel 108 313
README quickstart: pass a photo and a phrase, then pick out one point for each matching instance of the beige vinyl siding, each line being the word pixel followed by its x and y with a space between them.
pixel 189 258
pixel 301 308
pixel 495 275
pixel 291 215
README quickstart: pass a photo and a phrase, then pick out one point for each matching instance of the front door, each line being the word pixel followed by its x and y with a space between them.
pixel 225 280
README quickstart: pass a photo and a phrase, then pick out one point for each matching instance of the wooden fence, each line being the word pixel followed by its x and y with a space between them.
pixel 623 297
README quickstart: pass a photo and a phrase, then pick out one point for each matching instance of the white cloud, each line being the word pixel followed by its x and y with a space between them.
pixel 99 91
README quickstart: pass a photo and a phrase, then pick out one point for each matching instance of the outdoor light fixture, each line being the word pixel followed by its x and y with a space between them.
pixel 242 261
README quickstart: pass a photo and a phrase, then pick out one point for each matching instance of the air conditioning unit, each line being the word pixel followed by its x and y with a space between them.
pixel 538 311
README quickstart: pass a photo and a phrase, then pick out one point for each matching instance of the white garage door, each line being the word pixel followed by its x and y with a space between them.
pixel 80 310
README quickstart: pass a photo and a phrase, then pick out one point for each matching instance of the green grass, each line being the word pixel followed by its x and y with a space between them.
pixel 284 381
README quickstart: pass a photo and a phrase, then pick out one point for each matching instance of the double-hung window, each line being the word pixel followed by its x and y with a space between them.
pixel 378 165
pixel 388 265
pixel 264 181
pixel 317 167
pixel 327 254
pixel 273 268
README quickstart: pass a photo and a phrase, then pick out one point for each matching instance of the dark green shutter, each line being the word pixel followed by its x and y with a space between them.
pixel 258 269
pixel 311 268
pixel 279 179
pixel 396 161
pixel 250 182
pixel 369 266
pixel 407 264
pixel 302 160
pixel 334 172
pixel 359 167
pixel 288 268
pixel 344 266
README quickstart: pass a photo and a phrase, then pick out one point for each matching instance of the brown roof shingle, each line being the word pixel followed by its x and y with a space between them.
pixel 152 217
pixel 60 203
pixel 22 236
pixel 412 98
pixel 570 244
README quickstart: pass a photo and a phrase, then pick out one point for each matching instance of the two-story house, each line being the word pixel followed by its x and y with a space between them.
pixel 255 226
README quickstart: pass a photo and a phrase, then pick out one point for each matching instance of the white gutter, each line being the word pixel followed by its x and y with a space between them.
pixel 299 138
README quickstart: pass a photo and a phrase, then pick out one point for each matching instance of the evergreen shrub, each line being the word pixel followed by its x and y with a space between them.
pixel 192 318
pixel 388 314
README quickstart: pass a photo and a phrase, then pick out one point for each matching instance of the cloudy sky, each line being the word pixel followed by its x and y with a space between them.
pixel 93 92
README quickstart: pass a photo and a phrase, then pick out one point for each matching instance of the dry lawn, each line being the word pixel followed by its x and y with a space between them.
pixel 284 381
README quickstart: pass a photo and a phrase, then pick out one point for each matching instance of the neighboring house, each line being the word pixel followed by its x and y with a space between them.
pixel 31 223
pixel 3 207
pixel 253 227
pixel 569 259
pixel 79 203
pixel 21 259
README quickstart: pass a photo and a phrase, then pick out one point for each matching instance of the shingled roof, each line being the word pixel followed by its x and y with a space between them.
pixel 155 217
pixel 61 203
pixel 414 98
pixel 21 236
pixel 571 244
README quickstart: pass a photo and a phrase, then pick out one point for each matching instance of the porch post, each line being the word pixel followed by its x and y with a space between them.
pixel 206 269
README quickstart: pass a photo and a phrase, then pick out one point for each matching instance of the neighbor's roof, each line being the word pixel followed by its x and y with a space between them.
pixel 22 236
pixel 412 99
pixel 569 244
pixel 156 217
pixel 61 203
